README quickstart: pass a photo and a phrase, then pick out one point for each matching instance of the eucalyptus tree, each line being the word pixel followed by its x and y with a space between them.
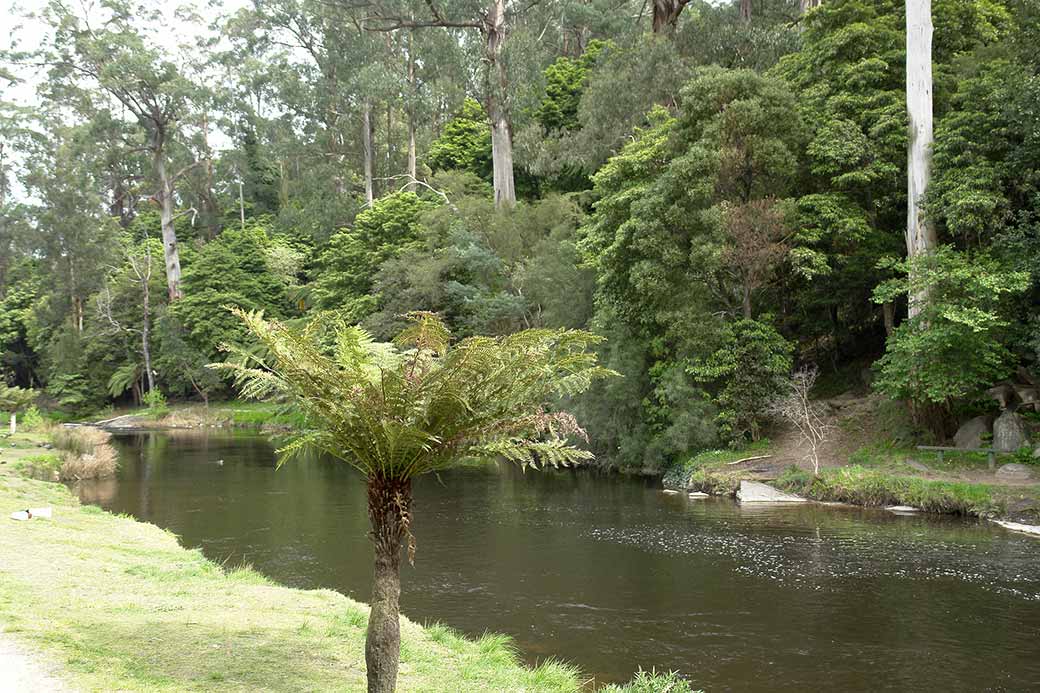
pixel 493 21
pixel 920 231
pixel 110 53
pixel 419 406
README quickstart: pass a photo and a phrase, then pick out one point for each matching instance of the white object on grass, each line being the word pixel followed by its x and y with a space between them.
pixel 32 513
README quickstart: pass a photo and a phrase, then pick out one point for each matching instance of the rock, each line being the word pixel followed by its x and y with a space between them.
pixel 1018 527
pixel 1009 432
pixel 1014 472
pixel 969 435
pixel 669 491
pixel 902 509
pixel 918 466
pixel 756 492
pixel 697 495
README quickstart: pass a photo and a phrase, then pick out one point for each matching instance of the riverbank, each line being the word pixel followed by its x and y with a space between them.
pixel 263 416
pixel 857 469
pixel 104 602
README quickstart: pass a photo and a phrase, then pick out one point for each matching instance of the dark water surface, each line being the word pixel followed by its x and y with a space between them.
pixel 610 574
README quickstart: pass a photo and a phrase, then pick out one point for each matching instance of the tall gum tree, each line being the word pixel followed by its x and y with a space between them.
pixel 491 21
pixel 920 232
pixel 116 58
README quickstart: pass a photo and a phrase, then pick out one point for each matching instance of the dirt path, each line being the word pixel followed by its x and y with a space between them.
pixel 20 672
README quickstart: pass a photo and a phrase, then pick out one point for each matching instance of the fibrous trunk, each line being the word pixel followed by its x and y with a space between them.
pixel 389 511
pixel 920 234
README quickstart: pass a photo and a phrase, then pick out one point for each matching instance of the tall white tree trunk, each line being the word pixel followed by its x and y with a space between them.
pixel 366 138
pixel 920 233
pixel 498 82
pixel 169 235
pixel 411 116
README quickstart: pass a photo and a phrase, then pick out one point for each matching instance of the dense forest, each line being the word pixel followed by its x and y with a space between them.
pixel 718 189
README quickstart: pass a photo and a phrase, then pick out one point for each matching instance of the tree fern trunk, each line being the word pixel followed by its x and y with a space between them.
pixel 389 511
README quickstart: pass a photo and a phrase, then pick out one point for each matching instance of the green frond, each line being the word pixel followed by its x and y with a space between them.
pixel 421 404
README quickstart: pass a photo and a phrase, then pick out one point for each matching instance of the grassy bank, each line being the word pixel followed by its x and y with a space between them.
pixel 875 487
pixel 118 604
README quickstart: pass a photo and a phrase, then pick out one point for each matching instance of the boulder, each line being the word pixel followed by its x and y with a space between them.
pixel 1009 432
pixel 970 434
pixel 917 466
pixel 1014 472
pixel 757 492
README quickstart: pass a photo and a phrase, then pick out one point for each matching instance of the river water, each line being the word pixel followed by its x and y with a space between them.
pixel 610 574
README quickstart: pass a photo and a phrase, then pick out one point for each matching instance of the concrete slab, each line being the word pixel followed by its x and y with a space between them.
pixel 757 492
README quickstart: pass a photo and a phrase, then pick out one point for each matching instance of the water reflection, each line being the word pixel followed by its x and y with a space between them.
pixel 611 574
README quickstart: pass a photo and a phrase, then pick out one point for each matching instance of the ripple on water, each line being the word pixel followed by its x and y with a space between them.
pixel 783 546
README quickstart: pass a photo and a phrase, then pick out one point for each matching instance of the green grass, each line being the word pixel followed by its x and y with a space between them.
pixel 893 457
pixel 876 487
pixel 707 472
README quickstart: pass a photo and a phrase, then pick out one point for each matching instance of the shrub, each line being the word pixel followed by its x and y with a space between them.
pixel 32 419
pixel 87 453
pixel 99 464
pixel 652 682
pixel 748 372
pixel 155 400
pixel 956 345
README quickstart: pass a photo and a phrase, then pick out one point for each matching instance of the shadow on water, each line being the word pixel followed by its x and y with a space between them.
pixel 609 573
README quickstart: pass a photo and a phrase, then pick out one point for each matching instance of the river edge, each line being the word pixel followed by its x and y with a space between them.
pixel 850 484
pixel 108 602
pixel 857 485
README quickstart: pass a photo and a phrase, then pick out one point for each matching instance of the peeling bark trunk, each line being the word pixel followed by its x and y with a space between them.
pixel 745 10
pixel 366 138
pixel 411 118
pixel 146 325
pixel 501 135
pixel 389 512
pixel 806 5
pixel 666 15
pixel 920 233
pixel 888 310
pixel 747 302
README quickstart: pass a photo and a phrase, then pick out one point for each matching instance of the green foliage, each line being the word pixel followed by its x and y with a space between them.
pixel 747 374
pixel 32 419
pixel 15 399
pixel 155 400
pixel 465 143
pixel 652 682
pixel 956 344
pixel 422 404
pixel 564 83
pixel 385 231
pixel 232 269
